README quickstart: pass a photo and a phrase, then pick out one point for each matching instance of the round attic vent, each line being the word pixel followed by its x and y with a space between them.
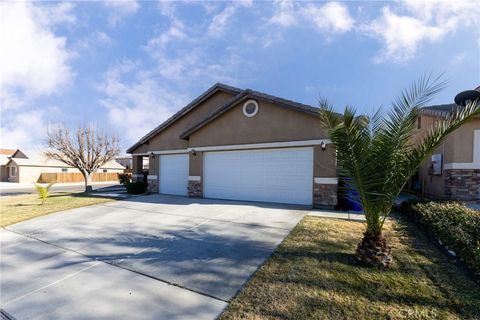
pixel 250 108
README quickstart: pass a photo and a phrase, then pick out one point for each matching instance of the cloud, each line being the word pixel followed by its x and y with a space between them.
pixel 136 106
pixel 33 63
pixel 284 15
pixel 219 21
pixel 96 39
pixel 33 59
pixel 23 129
pixel 331 17
pixel 176 31
pixel 458 58
pixel 51 15
pixel 120 9
pixel 420 22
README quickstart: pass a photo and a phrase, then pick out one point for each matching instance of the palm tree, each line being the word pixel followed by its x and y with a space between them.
pixel 379 154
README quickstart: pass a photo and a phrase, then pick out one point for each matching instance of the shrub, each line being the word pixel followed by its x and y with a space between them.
pixel 125 178
pixel 455 225
pixel 136 187
pixel 43 191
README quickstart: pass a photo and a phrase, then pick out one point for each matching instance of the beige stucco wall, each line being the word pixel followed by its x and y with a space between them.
pixel 168 139
pixel 196 164
pixel 3 173
pixel 461 141
pixel 153 165
pixel 324 164
pixel 456 148
pixel 271 124
pixel 11 178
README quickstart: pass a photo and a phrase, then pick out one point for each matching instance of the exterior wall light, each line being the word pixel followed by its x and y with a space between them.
pixel 152 155
pixel 323 145
pixel 193 152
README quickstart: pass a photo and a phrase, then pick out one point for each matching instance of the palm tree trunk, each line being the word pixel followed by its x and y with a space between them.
pixel 373 249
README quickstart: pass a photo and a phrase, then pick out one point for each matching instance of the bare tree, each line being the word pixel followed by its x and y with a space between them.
pixel 87 150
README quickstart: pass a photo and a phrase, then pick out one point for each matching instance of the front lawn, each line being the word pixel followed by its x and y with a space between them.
pixel 314 275
pixel 14 209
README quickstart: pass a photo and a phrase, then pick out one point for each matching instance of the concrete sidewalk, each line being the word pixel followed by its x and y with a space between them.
pixel 346 215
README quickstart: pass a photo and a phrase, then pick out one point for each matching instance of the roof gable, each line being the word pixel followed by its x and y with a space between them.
pixel 251 94
pixel 204 96
pixel 19 154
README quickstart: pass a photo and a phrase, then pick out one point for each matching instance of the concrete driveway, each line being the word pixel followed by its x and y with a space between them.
pixel 147 257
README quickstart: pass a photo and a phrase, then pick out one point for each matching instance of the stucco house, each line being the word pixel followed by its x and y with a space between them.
pixel 237 144
pixel 24 168
pixel 5 155
pixel 453 169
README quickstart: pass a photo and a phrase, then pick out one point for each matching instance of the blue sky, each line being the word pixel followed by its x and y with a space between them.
pixel 129 65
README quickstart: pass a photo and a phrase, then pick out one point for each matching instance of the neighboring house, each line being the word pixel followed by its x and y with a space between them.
pixel 453 169
pixel 5 155
pixel 239 144
pixel 27 169
pixel 125 161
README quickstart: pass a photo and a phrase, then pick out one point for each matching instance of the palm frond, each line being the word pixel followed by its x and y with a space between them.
pixel 378 154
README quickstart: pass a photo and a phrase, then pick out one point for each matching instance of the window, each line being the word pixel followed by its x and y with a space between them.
pixel 64 169
pixel 250 108
pixel 436 164
pixel 105 170
pixel 13 171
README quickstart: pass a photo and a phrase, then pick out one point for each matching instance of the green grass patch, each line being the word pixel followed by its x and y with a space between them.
pixel 314 274
pixel 14 209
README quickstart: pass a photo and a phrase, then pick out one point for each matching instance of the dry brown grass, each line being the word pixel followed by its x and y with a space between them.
pixel 314 275
pixel 14 209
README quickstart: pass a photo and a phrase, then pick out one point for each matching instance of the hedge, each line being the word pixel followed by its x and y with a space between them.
pixel 454 225
pixel 138 187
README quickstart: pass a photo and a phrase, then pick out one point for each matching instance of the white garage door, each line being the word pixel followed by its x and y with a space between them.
pixel 275 175
pixel 174 174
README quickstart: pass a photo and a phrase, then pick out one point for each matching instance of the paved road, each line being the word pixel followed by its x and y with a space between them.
pixel 6 190
pixel 146 257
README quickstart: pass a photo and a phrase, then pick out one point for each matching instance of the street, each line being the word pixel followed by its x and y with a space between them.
pixel 11 188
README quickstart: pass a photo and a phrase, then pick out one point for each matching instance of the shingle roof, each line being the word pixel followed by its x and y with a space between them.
pixel 7 152
pixel 441 110
pixel 216 87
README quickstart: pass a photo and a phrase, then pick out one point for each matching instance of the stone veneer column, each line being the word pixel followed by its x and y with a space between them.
pixel 325 192
pixel 462 184
pixel 195 187
pixel 152 183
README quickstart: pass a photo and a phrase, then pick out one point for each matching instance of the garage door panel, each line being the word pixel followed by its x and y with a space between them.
pixel 279 175
pixel 174 174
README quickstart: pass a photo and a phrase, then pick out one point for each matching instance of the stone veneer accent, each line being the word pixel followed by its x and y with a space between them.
pixel 324 196
pixel 462 184
pixel 152 184
pixel 137 177
pixel 195 189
